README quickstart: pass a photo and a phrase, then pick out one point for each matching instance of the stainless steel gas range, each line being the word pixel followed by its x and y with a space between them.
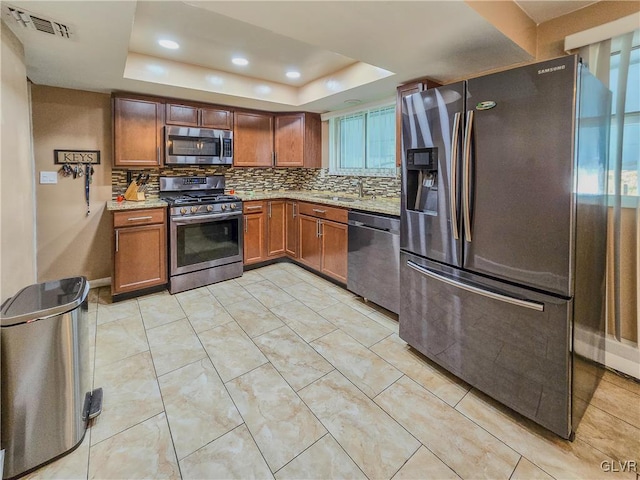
pixel 205 231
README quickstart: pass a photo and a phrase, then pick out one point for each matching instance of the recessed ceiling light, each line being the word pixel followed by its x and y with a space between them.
pixel 240 61
pixel 169 44
pixel 352 101
pixel 293 74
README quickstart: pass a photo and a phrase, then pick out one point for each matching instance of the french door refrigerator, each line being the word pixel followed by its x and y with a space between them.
pixel 503 232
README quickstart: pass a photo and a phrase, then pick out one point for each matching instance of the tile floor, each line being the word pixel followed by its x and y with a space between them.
pixel 283 374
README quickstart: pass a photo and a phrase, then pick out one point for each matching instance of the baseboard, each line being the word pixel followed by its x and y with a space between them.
pixel 100 282
pixel 622 356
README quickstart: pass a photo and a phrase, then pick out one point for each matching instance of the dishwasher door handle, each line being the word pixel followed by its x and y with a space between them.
pixel 354 223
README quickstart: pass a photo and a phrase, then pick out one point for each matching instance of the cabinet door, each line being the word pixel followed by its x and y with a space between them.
pixel 252 140
pixel 309 242
pixel 275 228
pixel 335 249
pixel 182 115
pixel 254 227
pixel 289 140
pixel 216 118
pixel 137 132
pixel 403 91
pixel 291 236
pixel 140 258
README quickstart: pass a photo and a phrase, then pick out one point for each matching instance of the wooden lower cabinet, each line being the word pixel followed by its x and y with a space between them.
pixel 291 228
pixel 254 232
pixel 309 248
pixel 323 246
pixel 140 253
pixel 335 249
pixel 275 228
pixel 317 237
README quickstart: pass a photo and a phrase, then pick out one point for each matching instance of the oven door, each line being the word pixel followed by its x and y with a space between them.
pixel 204 241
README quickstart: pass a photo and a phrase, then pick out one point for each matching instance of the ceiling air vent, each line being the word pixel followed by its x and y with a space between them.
pixel 30 21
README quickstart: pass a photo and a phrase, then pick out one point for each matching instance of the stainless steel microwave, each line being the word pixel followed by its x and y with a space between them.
pixel 198 146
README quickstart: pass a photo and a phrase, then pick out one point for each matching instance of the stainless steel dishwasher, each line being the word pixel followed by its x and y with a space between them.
pixel 374 258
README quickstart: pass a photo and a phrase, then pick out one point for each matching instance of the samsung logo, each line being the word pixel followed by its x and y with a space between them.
pixel 551 69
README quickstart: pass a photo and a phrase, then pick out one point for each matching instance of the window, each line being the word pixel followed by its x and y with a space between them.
pixel 631 137
pixel 363 142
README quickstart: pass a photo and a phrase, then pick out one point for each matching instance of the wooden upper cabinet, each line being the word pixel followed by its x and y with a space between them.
pixel 252 139
pixel 182 115
pixel 216 118
pixel 137 132
pixel 198 116
pixel 404 91
pixel 297 140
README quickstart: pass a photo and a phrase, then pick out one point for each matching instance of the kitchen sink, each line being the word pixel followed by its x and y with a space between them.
pixel 344 199
pixel 338 198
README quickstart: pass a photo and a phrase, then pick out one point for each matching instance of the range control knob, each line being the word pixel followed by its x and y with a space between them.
pixel 194 209
pixel 233 206
pixel 223 207
pixel 209 208
pixel 183 210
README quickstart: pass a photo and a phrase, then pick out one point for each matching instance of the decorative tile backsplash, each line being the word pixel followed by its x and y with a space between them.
pixel 269 179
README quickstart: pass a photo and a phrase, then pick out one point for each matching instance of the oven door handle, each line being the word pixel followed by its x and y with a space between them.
pixel 201 218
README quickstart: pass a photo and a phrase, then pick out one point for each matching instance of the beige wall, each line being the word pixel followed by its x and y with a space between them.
pixel 69 242
pixel 17 225
pixel 551 34
pixel 511 20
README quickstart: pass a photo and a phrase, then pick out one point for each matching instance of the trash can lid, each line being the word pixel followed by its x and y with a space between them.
pixel 43 300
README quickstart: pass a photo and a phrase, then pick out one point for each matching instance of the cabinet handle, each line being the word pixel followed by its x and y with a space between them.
pixel 320 224
pixel 294 210
pixel 269 210
pixel 199 119
pixel 117 240
pixel 273 158
pixel 317 210
pixel 317 228
pixel 158 155
pixel 245 224
pixel 254 207
pixel 135 219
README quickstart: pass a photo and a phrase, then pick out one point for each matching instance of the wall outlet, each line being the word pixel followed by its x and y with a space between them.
pixel 48 177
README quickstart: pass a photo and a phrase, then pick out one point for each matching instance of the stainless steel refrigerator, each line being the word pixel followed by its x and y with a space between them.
pixel 503 233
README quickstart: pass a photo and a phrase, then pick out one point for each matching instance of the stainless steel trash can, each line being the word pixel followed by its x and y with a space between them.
pixel 45 373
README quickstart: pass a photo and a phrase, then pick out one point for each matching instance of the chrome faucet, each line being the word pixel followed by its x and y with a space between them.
pixel 360 188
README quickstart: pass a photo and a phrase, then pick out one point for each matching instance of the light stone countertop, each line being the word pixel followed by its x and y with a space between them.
pixel 388 206
pixel 112 205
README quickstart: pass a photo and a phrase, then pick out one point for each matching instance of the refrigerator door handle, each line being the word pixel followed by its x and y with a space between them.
pixel 470 288
pixel 454 176
pixel 467 177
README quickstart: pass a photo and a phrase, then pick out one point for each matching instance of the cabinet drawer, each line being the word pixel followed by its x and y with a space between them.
pixel 323 211
pixel 256 206
pixel 139 217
